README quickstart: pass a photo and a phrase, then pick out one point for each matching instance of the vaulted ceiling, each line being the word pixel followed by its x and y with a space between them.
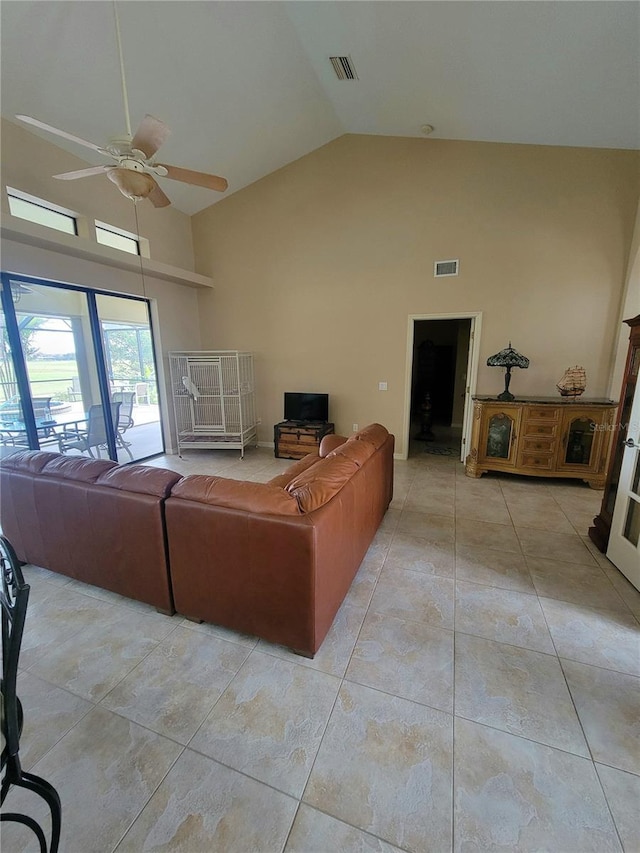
pixel 247 87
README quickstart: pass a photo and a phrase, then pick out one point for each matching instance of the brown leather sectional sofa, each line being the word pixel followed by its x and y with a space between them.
pixel 271 559
pixel 90 519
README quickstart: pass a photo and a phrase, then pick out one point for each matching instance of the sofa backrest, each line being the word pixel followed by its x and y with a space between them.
pixel 236 494
pixel 90 519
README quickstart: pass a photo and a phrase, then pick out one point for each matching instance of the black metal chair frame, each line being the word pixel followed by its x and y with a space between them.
pixel 14 595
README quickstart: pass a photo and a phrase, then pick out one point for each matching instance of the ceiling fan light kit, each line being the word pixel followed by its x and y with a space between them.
pixel 134 167
pixel 131 183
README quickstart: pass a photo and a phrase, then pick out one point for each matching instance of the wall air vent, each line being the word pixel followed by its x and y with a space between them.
pixel 443 268
pixel 344 67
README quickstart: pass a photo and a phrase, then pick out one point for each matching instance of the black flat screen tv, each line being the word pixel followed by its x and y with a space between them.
pixel 306 407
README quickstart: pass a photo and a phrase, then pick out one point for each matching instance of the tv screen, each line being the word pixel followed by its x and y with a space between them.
pixel 306 407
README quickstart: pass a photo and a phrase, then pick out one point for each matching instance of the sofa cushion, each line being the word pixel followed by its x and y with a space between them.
pixel 140 479
pixel 357 451
pixel 77 468
pixel 292 471
pixel 329 443
pixel 236 494
pixel 31 461
pixel 376 434
pixel 318 484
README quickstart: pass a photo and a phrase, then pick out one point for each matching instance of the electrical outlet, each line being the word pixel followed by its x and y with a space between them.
pixel 355 427
pixel 382 386
pixel 258 421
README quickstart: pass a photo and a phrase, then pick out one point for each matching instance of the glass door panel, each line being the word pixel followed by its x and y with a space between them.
pixel 580 442
pixel 129 355
pixel 624 542
pixel 11 410
pixel 56 342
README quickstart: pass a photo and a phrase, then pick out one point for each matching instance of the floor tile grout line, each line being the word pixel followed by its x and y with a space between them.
pixel 222 692
pixel 606 799
pixel 151 796
pixel 618 769
pixel 566 681
pixel 524 737
pixel 343 678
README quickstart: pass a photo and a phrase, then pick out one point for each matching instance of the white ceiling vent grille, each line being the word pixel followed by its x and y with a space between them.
pixel 344 67
pixel 444 268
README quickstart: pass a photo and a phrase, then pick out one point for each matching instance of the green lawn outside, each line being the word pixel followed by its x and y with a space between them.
pixel 51 378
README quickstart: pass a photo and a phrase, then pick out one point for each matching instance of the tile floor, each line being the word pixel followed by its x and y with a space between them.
pixel 479 690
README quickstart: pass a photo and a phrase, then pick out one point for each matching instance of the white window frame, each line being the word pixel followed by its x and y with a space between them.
pixel 19 195
pixel 141 243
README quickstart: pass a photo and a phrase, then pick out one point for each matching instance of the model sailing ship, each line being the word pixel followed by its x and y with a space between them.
pixel 573 382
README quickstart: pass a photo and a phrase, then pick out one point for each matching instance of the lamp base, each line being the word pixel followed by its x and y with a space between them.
pixel 506 397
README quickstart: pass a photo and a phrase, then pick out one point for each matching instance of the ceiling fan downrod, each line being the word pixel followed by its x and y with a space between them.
pixel 122 77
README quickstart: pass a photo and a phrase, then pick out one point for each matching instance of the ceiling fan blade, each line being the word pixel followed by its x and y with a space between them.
pixel 199 179
pixel 158 198
pixel 82 173
pixel 36 123
pixel 150 135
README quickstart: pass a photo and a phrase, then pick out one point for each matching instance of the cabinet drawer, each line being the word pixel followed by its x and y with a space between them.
pixel 537 460
pixel 540 429
pixel 541 413
pixel 311 438
pixel 538 445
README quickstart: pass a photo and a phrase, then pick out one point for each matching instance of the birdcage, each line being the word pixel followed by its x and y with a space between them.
pixel 214 400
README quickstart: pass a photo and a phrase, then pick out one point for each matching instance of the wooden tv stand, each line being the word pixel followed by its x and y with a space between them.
pixel 295 439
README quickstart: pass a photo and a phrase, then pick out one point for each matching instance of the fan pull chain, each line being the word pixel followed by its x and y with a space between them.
pixel 135 209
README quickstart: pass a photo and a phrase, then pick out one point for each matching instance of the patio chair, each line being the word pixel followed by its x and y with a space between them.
pixel 125 421
pixel 74 391
pixel 142 393
pixel 14 595
pixel 126 400
pixel 95 435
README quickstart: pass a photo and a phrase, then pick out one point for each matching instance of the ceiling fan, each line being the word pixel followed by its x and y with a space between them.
pixel 134 167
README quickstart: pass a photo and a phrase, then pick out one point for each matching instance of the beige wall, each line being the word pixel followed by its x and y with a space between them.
pixel 319 265
pixel 630 307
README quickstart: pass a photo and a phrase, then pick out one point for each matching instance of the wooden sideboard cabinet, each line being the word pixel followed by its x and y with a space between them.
pixel 293 440
pixel 542 437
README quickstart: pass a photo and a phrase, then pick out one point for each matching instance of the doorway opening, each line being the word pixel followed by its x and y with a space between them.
pixel 443 367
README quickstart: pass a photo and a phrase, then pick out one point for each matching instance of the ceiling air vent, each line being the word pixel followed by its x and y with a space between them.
pixel 442 268
pixel 344 67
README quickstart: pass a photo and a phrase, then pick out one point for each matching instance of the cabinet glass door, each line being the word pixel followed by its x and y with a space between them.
pixel 499 436
pixel 579 441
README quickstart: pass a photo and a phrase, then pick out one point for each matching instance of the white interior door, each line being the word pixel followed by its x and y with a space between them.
pixel 624 541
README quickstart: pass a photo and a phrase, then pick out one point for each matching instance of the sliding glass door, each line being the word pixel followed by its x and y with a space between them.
pixel 77 373
pixel 128 351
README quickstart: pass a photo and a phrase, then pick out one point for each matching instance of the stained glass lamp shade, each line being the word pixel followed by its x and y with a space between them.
pixel 508 358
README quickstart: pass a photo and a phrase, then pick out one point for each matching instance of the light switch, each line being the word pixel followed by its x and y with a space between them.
pixel 382 386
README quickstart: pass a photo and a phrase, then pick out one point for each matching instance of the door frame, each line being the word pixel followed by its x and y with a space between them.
pixel 472 372
pixel 622 553
pixel 93 316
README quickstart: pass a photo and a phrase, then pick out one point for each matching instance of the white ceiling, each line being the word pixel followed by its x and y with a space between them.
pixel 246 87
